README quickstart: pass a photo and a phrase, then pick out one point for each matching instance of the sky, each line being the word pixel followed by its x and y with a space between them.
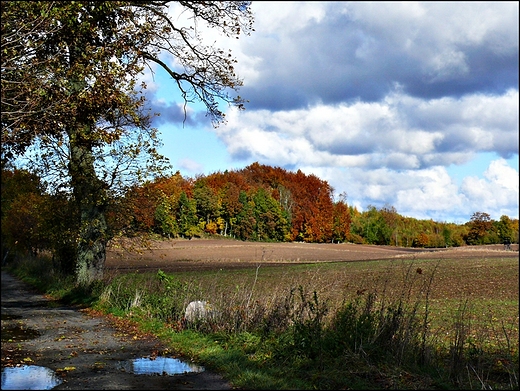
pixel 412 105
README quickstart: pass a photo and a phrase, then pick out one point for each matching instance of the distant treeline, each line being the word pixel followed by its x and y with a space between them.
pixel 259 203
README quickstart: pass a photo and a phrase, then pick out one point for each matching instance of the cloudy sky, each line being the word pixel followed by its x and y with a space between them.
pixel 410 105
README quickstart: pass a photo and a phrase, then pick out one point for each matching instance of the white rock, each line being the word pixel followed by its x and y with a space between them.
pixel 198 310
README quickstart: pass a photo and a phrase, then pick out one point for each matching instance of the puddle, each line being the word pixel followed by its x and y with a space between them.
pixel 18 334
pixel 159 366
pixel 29 377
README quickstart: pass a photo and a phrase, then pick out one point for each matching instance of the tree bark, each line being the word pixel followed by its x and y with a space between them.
pixel 90 195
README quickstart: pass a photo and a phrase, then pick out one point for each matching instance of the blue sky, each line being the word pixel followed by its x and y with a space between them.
pixel 413 105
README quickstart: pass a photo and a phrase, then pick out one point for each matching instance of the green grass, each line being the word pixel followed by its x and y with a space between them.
pixel 414 324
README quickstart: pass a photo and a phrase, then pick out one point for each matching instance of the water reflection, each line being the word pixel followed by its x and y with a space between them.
pixel 29 377
pixel 18 334
pixel 160 366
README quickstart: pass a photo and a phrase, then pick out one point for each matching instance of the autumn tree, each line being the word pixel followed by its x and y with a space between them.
pixel 311 208
pixel 70 90
pixel 479 227
pixel 22 197
pixel 421 240
pixel 505 230
pixel 341 222
pixel 141 202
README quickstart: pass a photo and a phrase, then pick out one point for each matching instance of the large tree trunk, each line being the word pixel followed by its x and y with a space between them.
pixel 90 195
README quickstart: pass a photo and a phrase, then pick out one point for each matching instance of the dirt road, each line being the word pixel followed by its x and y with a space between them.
pixel 87 351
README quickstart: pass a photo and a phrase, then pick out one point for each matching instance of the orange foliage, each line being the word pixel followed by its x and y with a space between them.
pixel 305 199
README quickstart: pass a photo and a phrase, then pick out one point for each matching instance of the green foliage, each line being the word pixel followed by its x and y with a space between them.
pixel 352 328
pixel 245 221
pixel 165 300
pixel 376 229
pixel 308 326
pixel 165 217
pixel 187 217
pixel 206 201
pixel 270 221
pixel 160 296
pixel 505 229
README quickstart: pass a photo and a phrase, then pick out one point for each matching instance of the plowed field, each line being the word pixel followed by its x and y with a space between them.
pixel 206 254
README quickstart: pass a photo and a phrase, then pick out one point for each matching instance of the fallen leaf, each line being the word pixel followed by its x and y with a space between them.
pixel 66 369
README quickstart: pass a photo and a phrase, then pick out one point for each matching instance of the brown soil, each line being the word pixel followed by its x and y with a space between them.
pixel 86 349
pixel 204 254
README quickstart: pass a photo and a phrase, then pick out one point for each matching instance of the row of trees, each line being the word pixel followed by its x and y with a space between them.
pixel 258 202
pixel 269 203
pixel 386 226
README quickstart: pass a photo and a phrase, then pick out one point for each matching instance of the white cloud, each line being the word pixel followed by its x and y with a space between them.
pixel 392 152
pixel 431 190
pixel 400 131
pixel 190 165
pixel 381 99
pixel 501 174
pixel 429 193
pixel 498 189
pixel 272 16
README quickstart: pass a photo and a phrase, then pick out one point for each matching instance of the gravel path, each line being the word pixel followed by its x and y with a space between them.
pixel 86 351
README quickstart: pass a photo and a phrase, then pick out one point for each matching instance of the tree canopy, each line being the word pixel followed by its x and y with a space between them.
pixel 70 73
pixel 64 62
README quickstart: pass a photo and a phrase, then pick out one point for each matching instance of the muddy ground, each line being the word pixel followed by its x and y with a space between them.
pixel 87 350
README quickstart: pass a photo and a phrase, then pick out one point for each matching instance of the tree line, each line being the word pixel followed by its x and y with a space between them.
pixel 257 203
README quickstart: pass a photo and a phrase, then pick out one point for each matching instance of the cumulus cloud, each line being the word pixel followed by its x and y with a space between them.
pixel 190 165
pixel 400 132
pixel 498 190
pixel 380 99
pixel 430 193
pixel 394 151
pixel 359 50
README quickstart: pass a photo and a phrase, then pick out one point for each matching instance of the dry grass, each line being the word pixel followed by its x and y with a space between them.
pixel 466 299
